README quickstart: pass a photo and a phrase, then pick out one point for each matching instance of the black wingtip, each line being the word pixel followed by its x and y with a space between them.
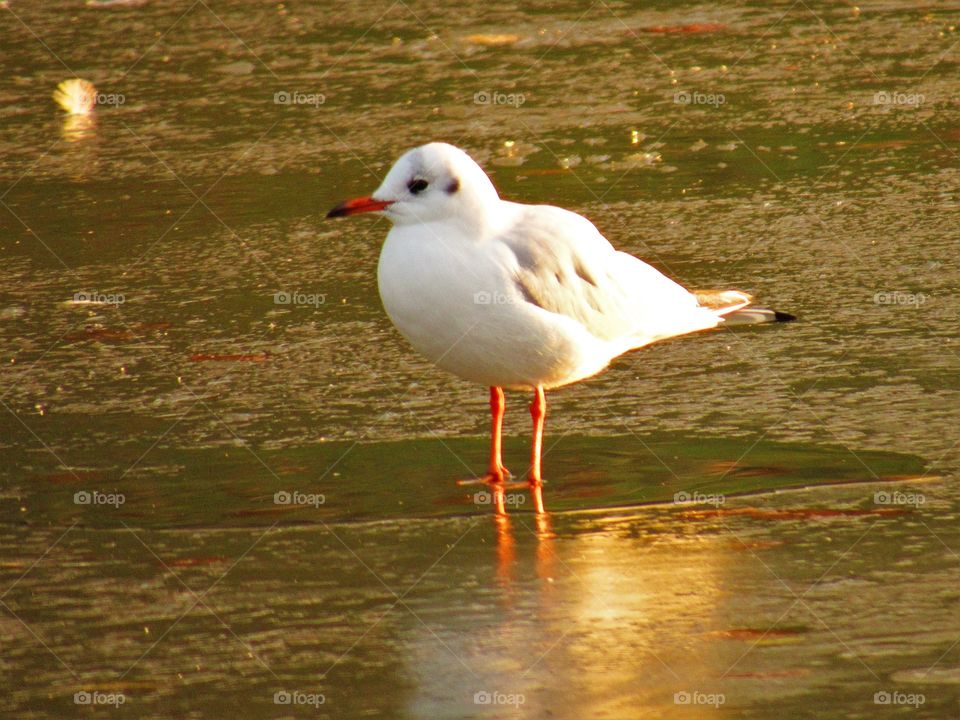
pixel 783 317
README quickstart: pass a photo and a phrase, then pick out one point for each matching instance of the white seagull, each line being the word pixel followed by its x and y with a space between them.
pixel 518 296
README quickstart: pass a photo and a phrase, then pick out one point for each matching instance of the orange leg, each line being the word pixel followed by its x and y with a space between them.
pixel 538 412
pixel 496 472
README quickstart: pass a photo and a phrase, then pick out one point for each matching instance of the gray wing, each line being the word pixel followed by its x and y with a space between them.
pixel 565 266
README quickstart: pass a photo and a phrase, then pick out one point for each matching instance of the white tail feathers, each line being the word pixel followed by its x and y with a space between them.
pixel 723 302
pixel 735 309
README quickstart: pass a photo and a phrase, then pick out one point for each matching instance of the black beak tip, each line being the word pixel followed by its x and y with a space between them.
pixel 338 211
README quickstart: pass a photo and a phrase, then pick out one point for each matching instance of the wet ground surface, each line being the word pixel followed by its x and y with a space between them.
pixel 803 152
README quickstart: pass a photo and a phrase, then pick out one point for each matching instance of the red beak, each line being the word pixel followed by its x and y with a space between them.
pixel 357 206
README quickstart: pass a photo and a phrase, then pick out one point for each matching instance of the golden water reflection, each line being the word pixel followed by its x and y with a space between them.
pixel 602 624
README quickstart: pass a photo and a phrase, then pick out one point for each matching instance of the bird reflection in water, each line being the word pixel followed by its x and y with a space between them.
pixel 499 498
pixel 545 553
pixel 622 612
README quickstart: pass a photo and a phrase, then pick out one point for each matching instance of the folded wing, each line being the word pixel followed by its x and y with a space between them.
pixel 565 266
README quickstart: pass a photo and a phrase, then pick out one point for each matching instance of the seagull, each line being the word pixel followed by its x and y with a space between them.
pixel 517 296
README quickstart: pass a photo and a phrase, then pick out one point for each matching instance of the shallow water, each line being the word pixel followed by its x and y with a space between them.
pixel 803 152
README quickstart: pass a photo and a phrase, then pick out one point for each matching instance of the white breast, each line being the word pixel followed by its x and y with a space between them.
pixel 454 300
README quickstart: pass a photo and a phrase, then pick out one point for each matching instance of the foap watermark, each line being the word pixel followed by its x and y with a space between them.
pixel 295 497
pixel 94 497
pixel 87 697
pixel 492 97
pixel 684 97
pixel 698 498
pixel 484 297
pixel 294 97
pixel 895 697
pixel 696 697
pixel 899 297
pixel 296 697
pixel 485 497
pixel 298 298
pixel 98 298
pixel 114 99
pixel 895 497
pixel 898 98
pixel 487 697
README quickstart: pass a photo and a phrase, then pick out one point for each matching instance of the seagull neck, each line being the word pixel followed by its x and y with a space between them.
pixel 481 218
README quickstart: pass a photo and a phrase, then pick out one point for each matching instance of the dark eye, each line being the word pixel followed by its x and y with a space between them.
pixel 417 186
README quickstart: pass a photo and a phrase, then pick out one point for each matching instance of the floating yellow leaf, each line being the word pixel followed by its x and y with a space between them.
pixel 76 96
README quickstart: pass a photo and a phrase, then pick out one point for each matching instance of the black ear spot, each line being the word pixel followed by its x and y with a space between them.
pixel 417 186
pixel 453 186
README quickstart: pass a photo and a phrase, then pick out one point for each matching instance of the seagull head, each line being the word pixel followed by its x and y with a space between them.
pixel 432 183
